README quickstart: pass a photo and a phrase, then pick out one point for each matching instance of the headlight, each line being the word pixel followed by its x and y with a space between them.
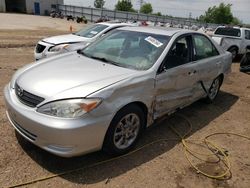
pixel 69 108
pixel 59 48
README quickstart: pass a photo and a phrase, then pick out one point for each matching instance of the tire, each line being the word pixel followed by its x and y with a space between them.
pixel 234 52
pixel 213 90
pixel 126 135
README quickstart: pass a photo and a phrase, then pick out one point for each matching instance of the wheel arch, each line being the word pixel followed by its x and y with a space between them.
pixel 141 105
pixel 233 46
pixel 221 77
pixel 107 137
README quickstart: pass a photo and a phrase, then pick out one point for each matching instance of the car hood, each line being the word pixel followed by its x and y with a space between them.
pixel 69 38
pixel 70 75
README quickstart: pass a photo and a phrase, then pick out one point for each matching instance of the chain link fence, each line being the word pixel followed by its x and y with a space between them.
pixel 93 14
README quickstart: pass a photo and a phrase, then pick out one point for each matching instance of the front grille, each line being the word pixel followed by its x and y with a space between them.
pixel 26 97
pixel 40 48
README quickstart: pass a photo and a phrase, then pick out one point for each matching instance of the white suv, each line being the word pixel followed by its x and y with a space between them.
pixel 233 39
pixel 70 42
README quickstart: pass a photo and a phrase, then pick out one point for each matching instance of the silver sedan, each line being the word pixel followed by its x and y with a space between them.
pixel 103 96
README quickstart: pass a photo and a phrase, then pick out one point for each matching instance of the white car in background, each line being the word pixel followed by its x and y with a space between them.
pixel 71 42
pixel 233 39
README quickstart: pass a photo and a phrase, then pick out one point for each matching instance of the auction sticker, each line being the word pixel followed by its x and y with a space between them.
pixel 93 32
pixel 154 41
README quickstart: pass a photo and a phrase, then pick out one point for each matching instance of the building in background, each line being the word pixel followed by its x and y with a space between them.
pixel 38 7
pixel 2 6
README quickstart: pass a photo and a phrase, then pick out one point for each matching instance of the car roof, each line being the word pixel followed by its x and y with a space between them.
pixel 110 24
pixel 157 30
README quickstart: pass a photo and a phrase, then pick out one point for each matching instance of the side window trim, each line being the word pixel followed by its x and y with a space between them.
pixel 190 46
pixel 113 28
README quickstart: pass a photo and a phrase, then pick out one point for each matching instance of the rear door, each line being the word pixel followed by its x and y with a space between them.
pixel 208 62
pixel 247 39
pixel 176 79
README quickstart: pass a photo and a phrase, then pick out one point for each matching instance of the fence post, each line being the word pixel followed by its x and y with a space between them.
pixel 91 16
pixel 114 15
pixel 137 17
pixel 127 17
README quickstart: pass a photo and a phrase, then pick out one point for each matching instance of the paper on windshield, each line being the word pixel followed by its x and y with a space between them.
pixel 93 32
pixel 154 41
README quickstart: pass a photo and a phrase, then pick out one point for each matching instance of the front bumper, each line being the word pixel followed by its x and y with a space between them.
pixel 60 136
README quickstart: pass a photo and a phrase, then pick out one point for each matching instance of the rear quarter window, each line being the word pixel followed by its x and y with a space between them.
pixel 247 34
pixel 228 32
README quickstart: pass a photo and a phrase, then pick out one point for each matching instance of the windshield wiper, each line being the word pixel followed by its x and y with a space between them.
pixel 82 53
pixel 76 34
pixel 103 59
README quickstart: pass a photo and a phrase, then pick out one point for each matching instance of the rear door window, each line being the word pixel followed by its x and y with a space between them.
pixel 203 47
pixel 234 32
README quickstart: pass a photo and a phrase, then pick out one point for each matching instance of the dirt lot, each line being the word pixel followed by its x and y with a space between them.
pixel 159 165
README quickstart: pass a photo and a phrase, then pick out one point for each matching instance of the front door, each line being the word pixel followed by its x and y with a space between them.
pixel 37 8
pixel 176 81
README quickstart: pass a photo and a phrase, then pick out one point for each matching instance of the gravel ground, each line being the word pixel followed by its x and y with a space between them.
pixel 159 165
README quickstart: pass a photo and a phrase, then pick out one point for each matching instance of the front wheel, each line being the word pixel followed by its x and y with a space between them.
pixel 214 90
pixel 124 130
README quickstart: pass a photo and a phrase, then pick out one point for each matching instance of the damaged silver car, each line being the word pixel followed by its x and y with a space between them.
pixel 103 96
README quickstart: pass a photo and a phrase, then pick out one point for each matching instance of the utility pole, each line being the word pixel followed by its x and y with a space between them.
pixel 140 3
pixel 190 15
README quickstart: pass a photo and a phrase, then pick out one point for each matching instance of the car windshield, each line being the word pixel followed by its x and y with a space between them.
pixel 131 49
pixel 91 31
pixel 228 32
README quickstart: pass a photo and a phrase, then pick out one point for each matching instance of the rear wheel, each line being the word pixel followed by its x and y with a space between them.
pixel 124 130
pixel 214 90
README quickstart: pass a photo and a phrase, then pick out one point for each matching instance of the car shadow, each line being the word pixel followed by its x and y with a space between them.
pixel 199 113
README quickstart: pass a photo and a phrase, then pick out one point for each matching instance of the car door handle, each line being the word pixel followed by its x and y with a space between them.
pixel 218 64
pixel 190 73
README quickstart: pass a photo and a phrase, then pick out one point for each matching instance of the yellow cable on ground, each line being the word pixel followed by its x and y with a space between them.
pixel 212 147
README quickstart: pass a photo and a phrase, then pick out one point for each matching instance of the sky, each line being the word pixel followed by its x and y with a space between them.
pixel 180 8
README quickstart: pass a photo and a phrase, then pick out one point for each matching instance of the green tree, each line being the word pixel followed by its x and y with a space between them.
pixel 146 8
pixel 157 14
pixel 124 5
pixel 219 15
pixel 99 3
pixel 236 21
